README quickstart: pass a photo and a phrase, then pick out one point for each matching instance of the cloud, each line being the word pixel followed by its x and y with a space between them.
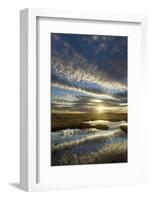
pixel 72 66
pixel 86 78
pixel 92 66
pixel 87 93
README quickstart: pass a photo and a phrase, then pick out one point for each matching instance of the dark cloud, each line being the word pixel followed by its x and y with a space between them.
pixel 93 65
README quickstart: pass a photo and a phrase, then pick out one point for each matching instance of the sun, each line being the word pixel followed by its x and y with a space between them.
pixel 100 108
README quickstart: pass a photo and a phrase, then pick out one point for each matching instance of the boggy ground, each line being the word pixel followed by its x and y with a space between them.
pixel 67 120
pixel 76 142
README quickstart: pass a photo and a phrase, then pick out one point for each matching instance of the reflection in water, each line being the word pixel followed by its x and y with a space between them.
pixel 108 123
pixel 79 136
pixel 90 139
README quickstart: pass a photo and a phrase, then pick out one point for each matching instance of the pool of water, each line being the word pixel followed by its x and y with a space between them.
pixel 90 139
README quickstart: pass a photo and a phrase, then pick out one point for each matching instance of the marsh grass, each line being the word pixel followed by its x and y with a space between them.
pixel 64 121
pixel 76 142
pixel 89 139
pixel 113 153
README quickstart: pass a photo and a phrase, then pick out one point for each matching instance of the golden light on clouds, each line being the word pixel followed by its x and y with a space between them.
pixel 100 108
pixel 96 101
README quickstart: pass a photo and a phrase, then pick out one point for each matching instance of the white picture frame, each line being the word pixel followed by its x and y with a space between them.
pixel 29 149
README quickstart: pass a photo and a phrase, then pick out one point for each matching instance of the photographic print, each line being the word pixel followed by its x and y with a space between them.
pixel 89 92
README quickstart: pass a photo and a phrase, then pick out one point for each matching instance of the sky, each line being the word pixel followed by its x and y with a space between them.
pixel 88 73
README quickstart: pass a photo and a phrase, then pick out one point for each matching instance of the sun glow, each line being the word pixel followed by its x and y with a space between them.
pixel 100 108
pixel 96 101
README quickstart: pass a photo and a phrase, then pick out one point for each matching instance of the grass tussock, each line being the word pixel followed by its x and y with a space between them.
pixel 86 140
pixel 113 153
